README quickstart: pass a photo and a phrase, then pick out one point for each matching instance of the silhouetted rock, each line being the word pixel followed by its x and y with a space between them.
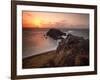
pixel 55 33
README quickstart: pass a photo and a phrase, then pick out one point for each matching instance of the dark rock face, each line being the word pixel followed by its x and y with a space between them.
pixel 72 51
pixel 55 34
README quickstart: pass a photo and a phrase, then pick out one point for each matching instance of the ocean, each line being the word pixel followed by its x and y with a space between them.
pixel 35 42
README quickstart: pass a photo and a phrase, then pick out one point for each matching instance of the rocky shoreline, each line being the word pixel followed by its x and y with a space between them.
pixel 71 51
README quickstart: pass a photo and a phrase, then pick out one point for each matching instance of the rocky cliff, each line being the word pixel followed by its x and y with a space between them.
pixel 71 51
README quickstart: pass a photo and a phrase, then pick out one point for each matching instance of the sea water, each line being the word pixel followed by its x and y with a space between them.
pixel 36 42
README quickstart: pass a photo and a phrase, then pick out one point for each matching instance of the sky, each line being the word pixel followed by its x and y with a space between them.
pixel 31 19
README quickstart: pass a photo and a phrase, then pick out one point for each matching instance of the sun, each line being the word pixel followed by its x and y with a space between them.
pixel 37 22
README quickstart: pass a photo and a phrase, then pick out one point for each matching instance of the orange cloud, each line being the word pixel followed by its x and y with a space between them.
pixel 54 20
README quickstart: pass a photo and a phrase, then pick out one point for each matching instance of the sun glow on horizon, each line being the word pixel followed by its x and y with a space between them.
pixel 37 22
pixel 54 20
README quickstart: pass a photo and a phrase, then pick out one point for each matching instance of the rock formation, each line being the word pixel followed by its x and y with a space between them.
pixel 72 51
